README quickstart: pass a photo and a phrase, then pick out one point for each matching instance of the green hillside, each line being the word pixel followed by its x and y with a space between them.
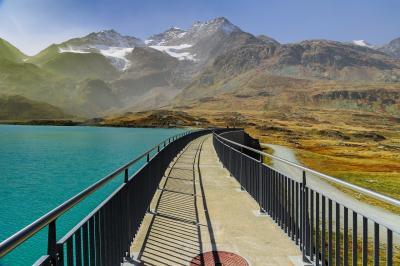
pixel 15 107
pixel 9 52
pixel 44 56
pixel 81 65
pixel 88 97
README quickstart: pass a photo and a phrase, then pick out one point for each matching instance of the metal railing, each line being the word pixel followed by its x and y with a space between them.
pixel 103 237
pixel 324 228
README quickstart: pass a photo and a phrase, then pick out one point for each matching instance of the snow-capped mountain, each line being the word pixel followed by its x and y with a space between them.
pixel 362 43
pixel 109 43
pixel 199 30
pixel 160 42
pixel 201 41
pixel 166 36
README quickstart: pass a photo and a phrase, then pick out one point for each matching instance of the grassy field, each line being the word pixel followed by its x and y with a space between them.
pixel 358 147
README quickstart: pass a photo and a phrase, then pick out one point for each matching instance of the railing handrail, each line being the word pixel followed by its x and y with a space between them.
pixel 362 190
pixel 28 231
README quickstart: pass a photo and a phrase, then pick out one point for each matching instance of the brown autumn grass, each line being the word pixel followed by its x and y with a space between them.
pixel 346 153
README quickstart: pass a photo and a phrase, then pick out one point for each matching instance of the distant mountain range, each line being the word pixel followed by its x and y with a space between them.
pixel 105 72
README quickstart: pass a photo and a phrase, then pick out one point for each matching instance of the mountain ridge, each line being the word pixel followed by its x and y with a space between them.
pixel 135 74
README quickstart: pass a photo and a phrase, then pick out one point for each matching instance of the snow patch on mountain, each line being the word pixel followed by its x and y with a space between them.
pixel 70 49
pixel 176 51
pixel 116 55
pixel 362 43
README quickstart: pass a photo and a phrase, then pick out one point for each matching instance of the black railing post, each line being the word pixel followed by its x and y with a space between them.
pixel 241 168
pixel 128 207
pixel 230 161
pixel 60 255
pixel 260 183
pixel 303 218
pixel 52 242
pixel 126 175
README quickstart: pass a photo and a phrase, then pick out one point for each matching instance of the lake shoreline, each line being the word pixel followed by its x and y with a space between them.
pixel 72 123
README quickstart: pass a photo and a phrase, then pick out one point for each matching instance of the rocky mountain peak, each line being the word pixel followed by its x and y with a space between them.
pixel 213 25
pixel 111 38
pixel 166 36
pixel 392 48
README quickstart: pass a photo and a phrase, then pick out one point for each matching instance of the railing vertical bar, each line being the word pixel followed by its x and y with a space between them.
pixel 311 225
pixel 337 234
pixel 286 206
pixel 60 254
pixel 301 220
pixel 260 186
pixel 92 241
pixel 283 210
pixel 101 248
pixel 389 248
pixel 107 233
pixel 365 242
pixel 290 207
pixel 241 168
pixel 78 248
pixel 293 211
pixel 345 236
pixel 354 240
pixel 269 191
pixel 112 225
pixel 323 232
pixel 297 214
pixel 307 221
pixel 278 196
pixel 317 240
pixel 275 196
pixel 70 252
pixel 330 236
pixel 52 242
pixel 85 235
pixel 376 244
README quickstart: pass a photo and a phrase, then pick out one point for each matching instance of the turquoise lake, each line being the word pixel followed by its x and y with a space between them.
pixel 42 166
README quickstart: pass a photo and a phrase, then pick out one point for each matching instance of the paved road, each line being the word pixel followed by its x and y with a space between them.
pixel 379 215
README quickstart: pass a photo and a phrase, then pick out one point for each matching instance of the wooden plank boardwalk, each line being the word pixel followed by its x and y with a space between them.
pixel 199 208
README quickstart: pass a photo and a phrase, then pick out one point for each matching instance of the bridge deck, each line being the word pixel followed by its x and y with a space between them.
pixel 199 208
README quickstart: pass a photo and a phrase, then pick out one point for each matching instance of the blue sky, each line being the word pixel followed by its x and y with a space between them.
pixel 31 25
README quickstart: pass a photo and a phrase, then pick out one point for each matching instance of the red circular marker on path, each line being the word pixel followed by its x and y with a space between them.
pixel 222 258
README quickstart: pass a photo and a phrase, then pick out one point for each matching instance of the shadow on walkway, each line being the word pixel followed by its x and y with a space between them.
pixel 174 234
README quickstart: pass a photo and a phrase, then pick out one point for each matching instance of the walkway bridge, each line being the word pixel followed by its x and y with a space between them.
pixel 204 198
